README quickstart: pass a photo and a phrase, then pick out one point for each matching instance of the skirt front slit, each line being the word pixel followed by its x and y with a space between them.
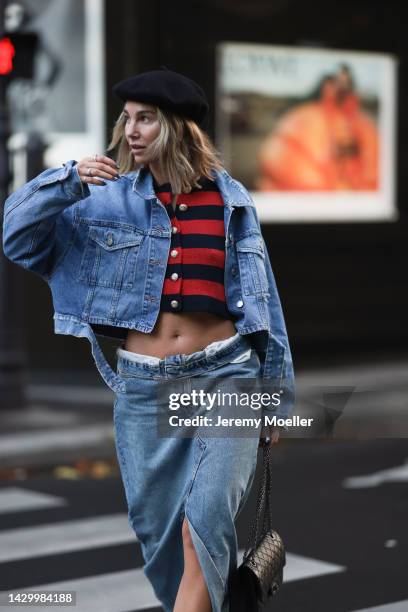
pixel 202 478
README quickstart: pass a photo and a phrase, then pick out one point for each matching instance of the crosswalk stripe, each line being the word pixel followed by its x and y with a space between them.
pixel 112 592
pixel 131 590
pixel 15 499
pixel 77 394
pixel 54 439
pixel 299 568
pixel 397 606
pixel 67 536
pixel 398 473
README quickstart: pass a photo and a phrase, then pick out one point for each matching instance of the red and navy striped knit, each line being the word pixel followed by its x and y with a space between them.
pixel 194 280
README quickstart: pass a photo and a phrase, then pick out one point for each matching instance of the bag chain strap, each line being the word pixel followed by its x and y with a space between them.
pixel 265 492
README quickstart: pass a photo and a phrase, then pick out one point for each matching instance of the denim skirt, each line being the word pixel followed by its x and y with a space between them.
pixel 204 479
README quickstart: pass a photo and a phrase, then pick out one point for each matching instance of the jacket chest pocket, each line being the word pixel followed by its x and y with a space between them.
pixel 251 262
pixel 110 257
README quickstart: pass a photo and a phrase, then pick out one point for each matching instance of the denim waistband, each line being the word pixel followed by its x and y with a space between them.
pixel 214 354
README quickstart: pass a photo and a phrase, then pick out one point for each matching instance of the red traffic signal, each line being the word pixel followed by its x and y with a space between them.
pixel 7 53
pixel 17 52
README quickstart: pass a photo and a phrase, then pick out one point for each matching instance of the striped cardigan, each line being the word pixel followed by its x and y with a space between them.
pixel 194 279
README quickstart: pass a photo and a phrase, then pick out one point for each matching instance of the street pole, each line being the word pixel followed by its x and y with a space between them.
pixel 12 350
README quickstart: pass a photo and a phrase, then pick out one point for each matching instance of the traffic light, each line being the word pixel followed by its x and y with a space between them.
pixel 17 53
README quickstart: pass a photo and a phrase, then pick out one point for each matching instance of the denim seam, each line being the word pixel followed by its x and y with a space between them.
pixel 123 462
pixel 203 447
pixel 22 199
pixel 68 245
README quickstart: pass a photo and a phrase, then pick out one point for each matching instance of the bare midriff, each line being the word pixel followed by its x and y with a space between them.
pixel 175 333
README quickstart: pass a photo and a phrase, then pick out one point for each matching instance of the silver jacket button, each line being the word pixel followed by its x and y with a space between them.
pixel 109 240
pixel 174 253
pixel 174 303
pixel 240 303
pixel 174 276
pixel 183 207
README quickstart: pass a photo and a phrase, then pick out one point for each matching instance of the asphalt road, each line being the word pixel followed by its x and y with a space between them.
pixel 340 506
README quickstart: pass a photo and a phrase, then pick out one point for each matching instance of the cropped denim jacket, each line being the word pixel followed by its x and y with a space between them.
pixel 103 251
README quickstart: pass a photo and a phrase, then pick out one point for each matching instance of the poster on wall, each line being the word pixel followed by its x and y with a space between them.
pixel 64 102
pixel 309 131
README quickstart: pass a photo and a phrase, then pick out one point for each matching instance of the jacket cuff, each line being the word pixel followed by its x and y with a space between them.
pixel 72 183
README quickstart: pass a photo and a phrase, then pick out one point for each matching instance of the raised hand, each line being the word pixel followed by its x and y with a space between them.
pixel 94 169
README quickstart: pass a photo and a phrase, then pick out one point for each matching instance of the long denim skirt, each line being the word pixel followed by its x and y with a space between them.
pixel 202 478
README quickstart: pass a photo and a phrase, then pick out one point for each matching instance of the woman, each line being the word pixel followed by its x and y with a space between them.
pixel 146 261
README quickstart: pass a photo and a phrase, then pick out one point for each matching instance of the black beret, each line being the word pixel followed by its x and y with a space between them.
pixel 168 90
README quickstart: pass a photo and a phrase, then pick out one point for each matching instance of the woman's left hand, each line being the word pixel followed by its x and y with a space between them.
pixel 271 431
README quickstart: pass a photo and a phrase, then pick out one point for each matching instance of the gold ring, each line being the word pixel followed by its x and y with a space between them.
pixel 89 171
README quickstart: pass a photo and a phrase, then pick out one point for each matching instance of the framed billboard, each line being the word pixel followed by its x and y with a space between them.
pixel 309 131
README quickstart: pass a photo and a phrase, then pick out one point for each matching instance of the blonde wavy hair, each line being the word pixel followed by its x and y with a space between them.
pixel 186 152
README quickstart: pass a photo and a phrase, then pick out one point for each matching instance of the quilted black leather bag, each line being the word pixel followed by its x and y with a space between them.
pixel 261 573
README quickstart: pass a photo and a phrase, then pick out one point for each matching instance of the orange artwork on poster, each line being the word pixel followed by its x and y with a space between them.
pixel 328 144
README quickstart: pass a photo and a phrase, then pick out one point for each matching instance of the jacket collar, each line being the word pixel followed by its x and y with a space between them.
pixel 233 193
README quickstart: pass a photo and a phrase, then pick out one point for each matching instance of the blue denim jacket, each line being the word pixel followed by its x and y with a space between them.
pixel 104 249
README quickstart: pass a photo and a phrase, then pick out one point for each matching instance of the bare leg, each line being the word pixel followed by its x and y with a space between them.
pixel 193 594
